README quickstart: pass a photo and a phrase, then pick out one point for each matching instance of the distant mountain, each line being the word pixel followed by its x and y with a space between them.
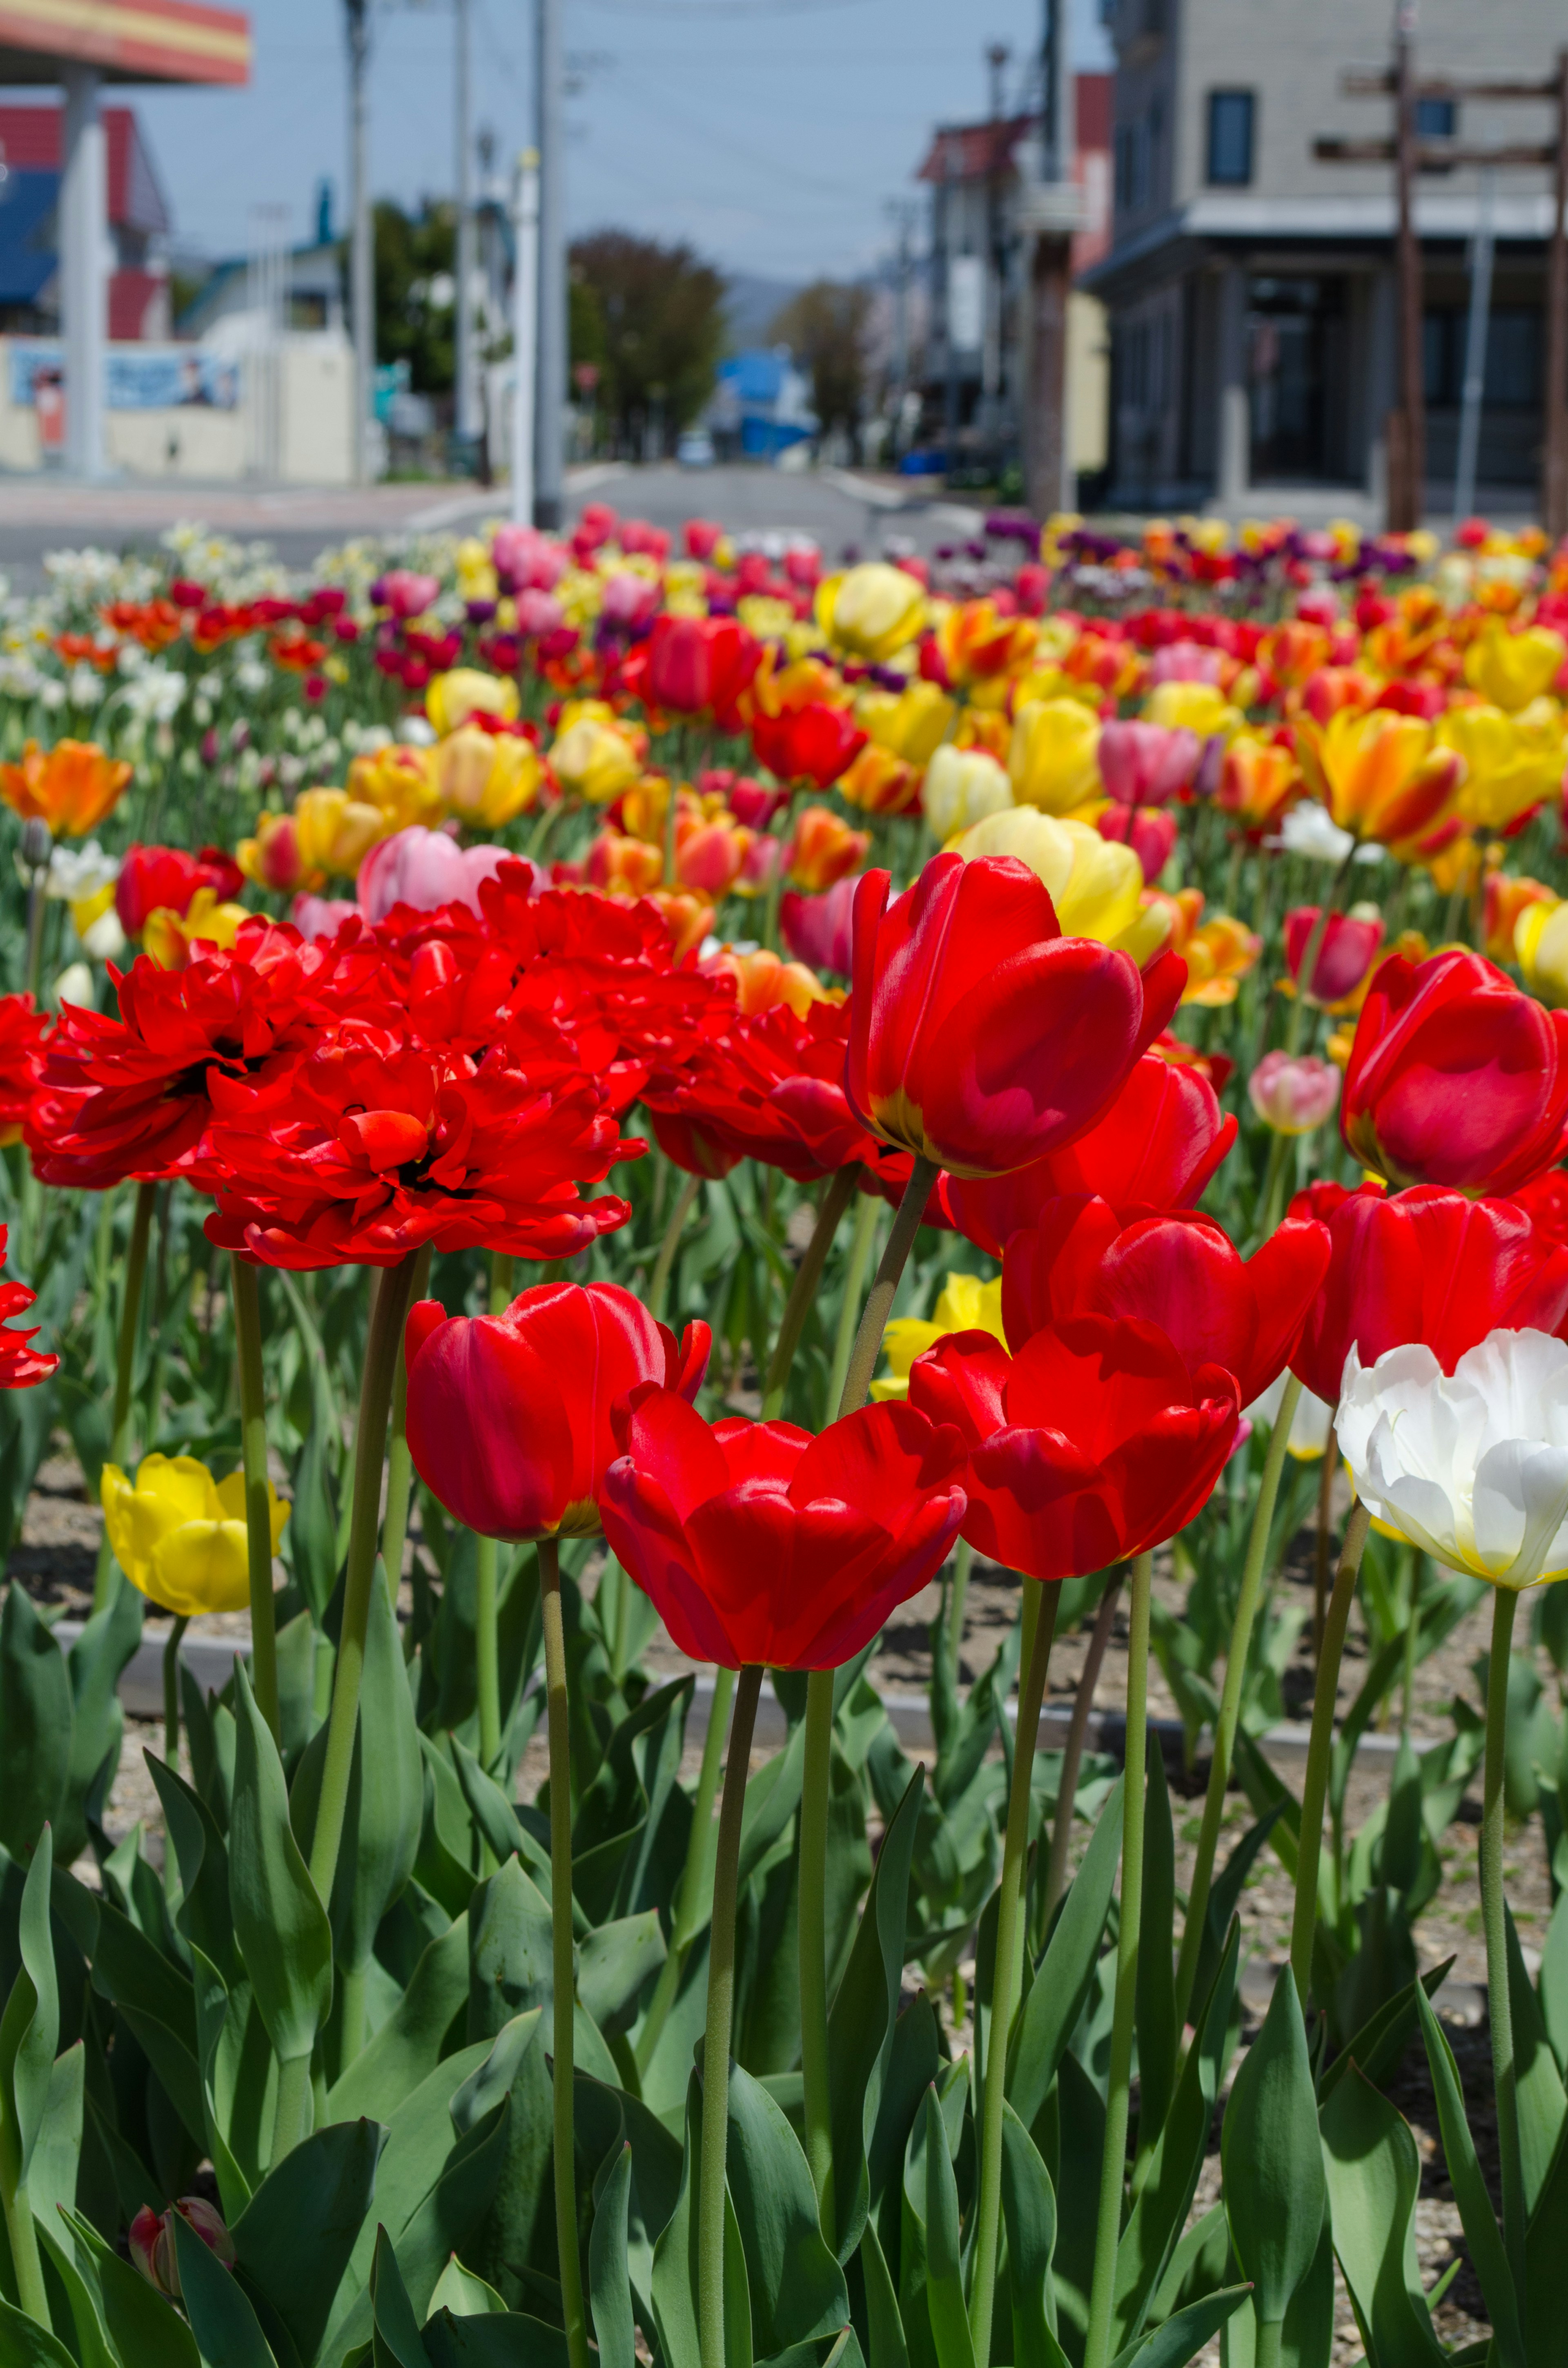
pixel 751 304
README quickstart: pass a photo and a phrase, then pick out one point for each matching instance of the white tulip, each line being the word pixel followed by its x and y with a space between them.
pixel 1309 1424
pixel 1472 1467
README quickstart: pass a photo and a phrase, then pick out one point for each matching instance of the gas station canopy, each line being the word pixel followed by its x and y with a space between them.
pixel 125 40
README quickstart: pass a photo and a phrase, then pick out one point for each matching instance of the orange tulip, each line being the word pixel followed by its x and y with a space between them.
pixel 1382 776
pixel 823 848
pixel 880 783
pixel 764 979
pixel 71 787
pixel 1505 898
pixel 1260 781
pixel 688 918
pixel 976 642
pixel 621 866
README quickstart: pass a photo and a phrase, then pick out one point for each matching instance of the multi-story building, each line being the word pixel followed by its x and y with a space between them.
pixel 1250 288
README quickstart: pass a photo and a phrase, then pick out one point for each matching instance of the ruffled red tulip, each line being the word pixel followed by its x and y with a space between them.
pixel 1095 1442
pixel 151 878
pixel 814 742
pixel 759 1543
pixel 1156 1147
pixel 979 1037
pixel 20 1364
pixel 1178 1273
pixel 509 1416
pixel 22 1032
pixel 1456 1077
pixel 1424 1265
pixel 770 1088
pixel 1349 947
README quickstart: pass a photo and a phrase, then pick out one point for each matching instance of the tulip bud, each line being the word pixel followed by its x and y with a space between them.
pixel 151 2239
pixel 1294 1092
pixel 37 842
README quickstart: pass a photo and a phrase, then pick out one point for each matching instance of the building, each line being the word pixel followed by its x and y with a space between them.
pixel 1251 289
pixel 978 175
pixel 30 142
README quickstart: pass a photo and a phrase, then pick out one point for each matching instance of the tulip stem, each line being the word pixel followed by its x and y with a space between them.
pixel 388 1304
pixel 963 1563
pixel 1072 1753
pixel 803 1290
pixel 291 2115
pixel 32 2293
pixel 816 1773
pixel 714 2151
pixel 868 1210
pixel 659 1284
pixel 171 1641
pixel 400 1463
pixel 1113 2160
pixel 124 1369
pixel 1493 1918
pixel 246 1301
pixel 878 1306
pixel 564 1968
pixel 1325 1539
pixel 486 1654
pixel 1231 1698
pixel 1039 1631
pixel 689 1906
pixel 1320 1749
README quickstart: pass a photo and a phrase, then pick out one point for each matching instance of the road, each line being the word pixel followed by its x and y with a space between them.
pixel 846 513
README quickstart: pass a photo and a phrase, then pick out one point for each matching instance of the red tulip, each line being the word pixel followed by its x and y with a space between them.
pixel 1147 830
pixel 770 1088
pixel 1178 1273
pixel 509 1416
pixel 1095 1442
pixel 821 929
pixel 1424 1265
pixel 20 1364
pixel 1347 951
pixel 814 742
pixel 979 1037
pixel 1456 1077
pixel 22 1033
pixel 156 877
pixel 759 1543
pixel 701 664
pixel 1144 764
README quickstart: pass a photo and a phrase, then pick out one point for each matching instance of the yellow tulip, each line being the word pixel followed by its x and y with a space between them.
pixel 1200 707
pixel 335 831
pixel 911 723
pixel 966 1304
pixel 593 760
pixel 871 610
pixel 1096 885
pixel 1511 670
pixel 179 1535
pixel 452 698
pixel 486 777
pixel 962 786
pixel 1510 765
pixel 476 572
pixel 168 936
pixel 1054 757
pixel 1382 776
pixel 396 780
pixel 1540 949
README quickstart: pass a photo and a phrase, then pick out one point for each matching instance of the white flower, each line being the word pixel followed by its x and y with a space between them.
pixel 1472 1467
pixel 155 697
pixel 1311 830
pixel 1309 1424
pixel 85 687
pixel 77 873
pixel 74 984
pixel 251 676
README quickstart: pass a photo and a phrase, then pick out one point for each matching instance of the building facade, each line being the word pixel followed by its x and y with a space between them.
pixel 138 214
pixel 1250 288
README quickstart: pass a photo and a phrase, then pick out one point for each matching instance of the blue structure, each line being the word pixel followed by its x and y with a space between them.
pixel 760 406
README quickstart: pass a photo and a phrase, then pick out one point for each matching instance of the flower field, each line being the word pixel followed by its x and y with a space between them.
pixel 850 1289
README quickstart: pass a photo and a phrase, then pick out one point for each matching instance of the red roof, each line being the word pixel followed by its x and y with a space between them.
pixel 29 142
pixel 972 152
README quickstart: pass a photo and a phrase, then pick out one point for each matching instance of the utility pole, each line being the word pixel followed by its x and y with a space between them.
pixel 524 335
pixel 1554 507
pixel 362 276
pixel 1475 351
pixel 467 254
pixel 550 437
pixel 1408 444
pixel 1048 215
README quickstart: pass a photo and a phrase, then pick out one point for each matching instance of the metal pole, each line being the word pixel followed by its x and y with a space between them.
pixel 550 436
pixel 950 404
pixel 1554 507
pixel 525 327
pixel 1475 351
pixel 362 271
pixel 82 294
pixel 467 245
pixel 1409 492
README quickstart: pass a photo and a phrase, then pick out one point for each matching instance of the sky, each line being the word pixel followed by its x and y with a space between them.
pixel 768 133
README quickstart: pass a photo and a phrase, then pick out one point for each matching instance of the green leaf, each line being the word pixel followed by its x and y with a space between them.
pixel 1184 2335
pixel 609 2286
pixel 797 2287
pixel 1067 1969
pixel 1554 1980
pixel 281 1925
pixel 883 2324
pixel 52 2174
pixel 221 2320
pixel 30 2024
pixel 37 1722
pixel 1374 2177
pixel 511 1960
pixel 509 2341
pixel 145 2330
pixel 205 1917
pixel 94 1667
pixel 1223 1899
pixel 1272 2158
pixel 294 2239
pixel 675 2264
pixel 407 2047
pixel 615 1962
pixel 944 2263
pixel 1482 2236
pixel 1538 2085
pixel 860 2025
pixel 1378 2046
pixel 504 1834
pixel 466 2296
pixel 1158 2027
pixel 1029 2213
pixel 25 2344
pixel 394 2341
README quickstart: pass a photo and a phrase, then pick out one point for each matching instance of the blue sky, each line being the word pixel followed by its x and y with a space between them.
pixel 768 132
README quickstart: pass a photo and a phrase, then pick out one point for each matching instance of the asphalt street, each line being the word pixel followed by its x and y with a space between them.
pixel 846 514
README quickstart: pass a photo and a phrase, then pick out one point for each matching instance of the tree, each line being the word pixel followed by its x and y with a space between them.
pixel 651 319
pixel 824 329
pixel 415 291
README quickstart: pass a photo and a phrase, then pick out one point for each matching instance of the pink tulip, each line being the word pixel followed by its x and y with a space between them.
pixel 538 613
pixel 1185 662
pixel 1151 834
pixel 405 594
pixel 1347 953
pixel 424 868
pixel 1144 764
pixel 820 930
pixel 529 560
pixel 321 916
pixel 638 537
pixel 702 537
pixel 1294 1092
pixel 628 600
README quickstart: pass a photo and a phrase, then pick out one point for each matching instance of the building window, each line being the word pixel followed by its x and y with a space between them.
pixel 1229 139
pixel 1437 119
